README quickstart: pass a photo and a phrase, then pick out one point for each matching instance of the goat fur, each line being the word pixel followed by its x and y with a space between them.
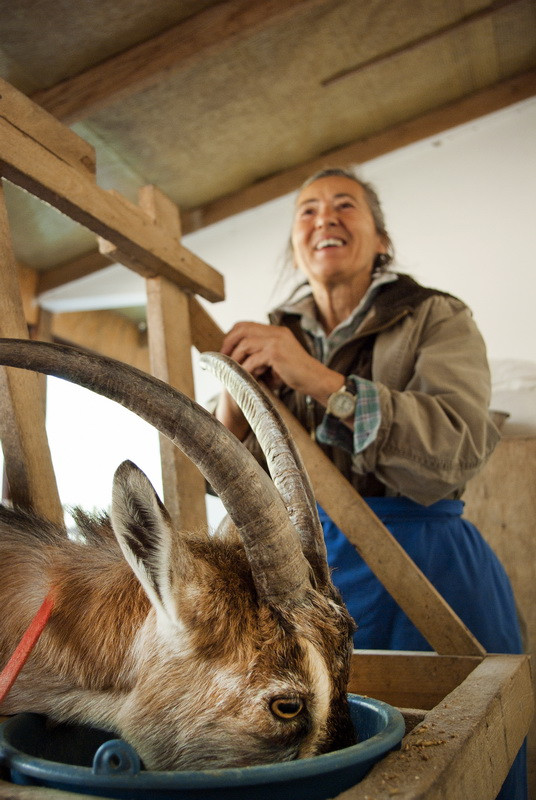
pixel 161 637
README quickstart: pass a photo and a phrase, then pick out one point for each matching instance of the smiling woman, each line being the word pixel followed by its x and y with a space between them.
pixel 336 244
pixel 410 365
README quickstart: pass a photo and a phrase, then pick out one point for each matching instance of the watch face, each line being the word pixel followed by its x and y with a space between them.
pixel 342 404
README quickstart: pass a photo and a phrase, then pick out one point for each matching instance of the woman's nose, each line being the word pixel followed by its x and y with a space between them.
pixel 325 216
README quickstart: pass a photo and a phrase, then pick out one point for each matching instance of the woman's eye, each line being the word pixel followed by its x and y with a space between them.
pixel 286 707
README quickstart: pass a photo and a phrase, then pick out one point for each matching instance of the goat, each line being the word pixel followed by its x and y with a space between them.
pixel 200 650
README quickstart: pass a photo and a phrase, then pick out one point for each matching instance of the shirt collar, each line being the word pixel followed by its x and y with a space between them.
pixel 303 306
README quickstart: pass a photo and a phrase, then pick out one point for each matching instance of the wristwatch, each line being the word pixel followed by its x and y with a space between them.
pixel 342 403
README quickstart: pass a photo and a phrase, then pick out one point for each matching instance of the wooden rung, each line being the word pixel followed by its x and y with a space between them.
pixel 408 679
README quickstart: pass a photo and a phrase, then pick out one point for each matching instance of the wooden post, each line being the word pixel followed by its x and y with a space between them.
pixel 28 463
pixel 170 353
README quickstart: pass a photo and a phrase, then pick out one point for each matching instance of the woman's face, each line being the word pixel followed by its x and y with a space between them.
pixel 334 238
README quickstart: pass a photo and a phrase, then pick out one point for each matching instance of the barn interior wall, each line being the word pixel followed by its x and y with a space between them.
pixel 460 210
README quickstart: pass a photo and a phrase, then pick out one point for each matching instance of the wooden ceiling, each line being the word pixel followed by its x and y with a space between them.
pixel 224 105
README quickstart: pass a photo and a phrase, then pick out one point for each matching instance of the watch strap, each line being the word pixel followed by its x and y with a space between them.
pixel 341 404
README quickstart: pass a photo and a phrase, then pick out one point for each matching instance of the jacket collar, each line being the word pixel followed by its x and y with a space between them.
pixel 301 304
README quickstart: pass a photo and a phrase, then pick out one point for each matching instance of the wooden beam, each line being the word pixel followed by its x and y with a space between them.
pixel 72 270
pixel 465 745
pixel 170 351
pixel 135 240
pixel 28 462
pixel 105 332
pixel 432 123
pixel 28 281
pixel 408 680
pixel 206 333
pixel 414 593
pixel 408 47
pixel 21 112
pixel 190 42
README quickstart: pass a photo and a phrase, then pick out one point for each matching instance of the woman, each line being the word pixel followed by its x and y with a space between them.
pixel 392 380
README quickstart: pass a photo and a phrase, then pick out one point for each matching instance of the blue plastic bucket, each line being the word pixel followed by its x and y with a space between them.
pixel 80 759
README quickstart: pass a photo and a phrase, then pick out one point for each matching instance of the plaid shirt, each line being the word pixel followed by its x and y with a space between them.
pixel 367 413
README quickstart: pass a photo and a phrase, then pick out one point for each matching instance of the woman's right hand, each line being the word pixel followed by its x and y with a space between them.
pixel 274 354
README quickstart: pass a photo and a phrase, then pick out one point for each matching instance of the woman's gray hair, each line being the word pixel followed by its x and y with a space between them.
pixel 373 201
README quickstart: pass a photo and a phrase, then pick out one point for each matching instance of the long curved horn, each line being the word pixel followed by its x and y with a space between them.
pixel 280 570
pixel 282 457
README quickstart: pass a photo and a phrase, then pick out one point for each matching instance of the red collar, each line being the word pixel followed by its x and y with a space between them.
pixel 25 646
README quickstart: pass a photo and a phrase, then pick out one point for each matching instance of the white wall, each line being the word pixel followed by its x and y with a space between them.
pixel 460 210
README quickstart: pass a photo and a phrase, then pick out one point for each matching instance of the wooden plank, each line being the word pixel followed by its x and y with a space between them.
pixel 28 462
pixel 105 332
pixel 71 270
pixel 465 745
pixel 170 352
pixel 501 501
pixel 414 593
pixel 146 247
pixel 21 112
pixel 190 42
pixel 206 334
pixel 433 122
pixel 408 47
pixel 10 791
pixel 407 679
pixel 42 331
pixel 28 279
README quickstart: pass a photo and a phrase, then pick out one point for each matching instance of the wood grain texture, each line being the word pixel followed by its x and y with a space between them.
pixel 135 240
pixel 465 744
pixel 28 462
pixel 142 66
pixel 501 501
pixel 170 352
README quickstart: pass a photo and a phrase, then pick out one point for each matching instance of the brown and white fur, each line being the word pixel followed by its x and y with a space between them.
pixel 200 650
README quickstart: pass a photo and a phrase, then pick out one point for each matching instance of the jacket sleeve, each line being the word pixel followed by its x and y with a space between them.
pixel 435 432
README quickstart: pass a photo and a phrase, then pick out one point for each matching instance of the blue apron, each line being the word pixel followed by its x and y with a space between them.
pixel 460 564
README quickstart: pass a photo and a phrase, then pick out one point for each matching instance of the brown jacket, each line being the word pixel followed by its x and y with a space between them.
pixel 425 354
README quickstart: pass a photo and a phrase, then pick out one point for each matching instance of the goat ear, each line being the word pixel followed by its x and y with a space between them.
pixel 143 529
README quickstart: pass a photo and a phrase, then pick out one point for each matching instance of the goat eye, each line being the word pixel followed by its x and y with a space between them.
pixel 286 707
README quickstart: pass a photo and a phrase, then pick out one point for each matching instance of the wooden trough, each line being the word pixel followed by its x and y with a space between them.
pixel 467 712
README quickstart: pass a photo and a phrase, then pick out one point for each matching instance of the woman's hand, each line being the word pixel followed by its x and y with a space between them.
pixel 273 353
